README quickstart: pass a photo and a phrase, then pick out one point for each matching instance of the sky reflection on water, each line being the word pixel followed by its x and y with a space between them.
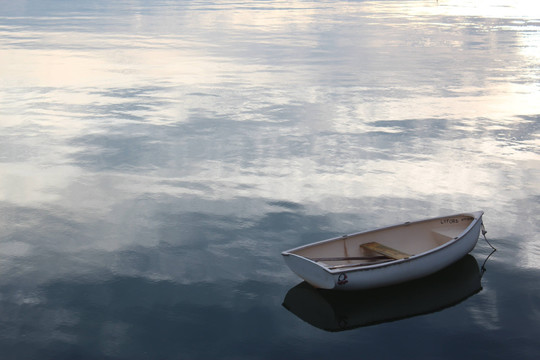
pixel 175 148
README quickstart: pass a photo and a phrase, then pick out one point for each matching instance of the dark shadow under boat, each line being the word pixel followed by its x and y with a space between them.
pixel 336 311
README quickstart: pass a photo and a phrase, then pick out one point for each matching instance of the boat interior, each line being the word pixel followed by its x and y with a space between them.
pixel 387 244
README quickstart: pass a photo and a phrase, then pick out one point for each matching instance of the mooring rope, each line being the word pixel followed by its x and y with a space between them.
pixel 484 232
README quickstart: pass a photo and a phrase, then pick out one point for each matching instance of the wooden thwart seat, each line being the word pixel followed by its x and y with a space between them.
pixel 385 250
pixel 370 260
pixel 346 258
pixel 385 254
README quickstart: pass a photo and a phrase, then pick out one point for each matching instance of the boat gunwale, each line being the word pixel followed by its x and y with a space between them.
pixel 477 216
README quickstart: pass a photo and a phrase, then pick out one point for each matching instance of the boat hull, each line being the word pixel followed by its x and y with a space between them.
pixel 392 272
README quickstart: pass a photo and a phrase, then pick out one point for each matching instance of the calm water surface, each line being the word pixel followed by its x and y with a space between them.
pixel 156 157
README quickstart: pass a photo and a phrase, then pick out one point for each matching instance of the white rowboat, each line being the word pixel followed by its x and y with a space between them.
pixel 386 256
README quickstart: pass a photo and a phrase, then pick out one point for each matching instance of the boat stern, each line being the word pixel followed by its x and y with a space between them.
pixel 309 271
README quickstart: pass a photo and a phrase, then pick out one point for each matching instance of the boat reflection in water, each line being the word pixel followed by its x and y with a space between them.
pixel 336 311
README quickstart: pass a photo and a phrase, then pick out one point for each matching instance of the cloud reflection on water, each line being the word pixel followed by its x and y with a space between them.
pixel 116 116
pixel 155 158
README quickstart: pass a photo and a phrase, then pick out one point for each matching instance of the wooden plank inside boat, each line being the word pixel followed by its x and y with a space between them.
pixel 385 250
pixel 346 258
